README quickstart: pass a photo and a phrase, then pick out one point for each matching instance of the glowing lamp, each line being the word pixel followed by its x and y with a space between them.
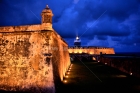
pixel 77 38
pixel 91 53
pixel 65 81
pixel 70 52
pixel 130 73
pixel 75 51
pixel 105 63
pixel 80 51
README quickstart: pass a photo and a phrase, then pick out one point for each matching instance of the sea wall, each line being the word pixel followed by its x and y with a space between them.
pixel 127 64
pixel 91 50
pixel 30 60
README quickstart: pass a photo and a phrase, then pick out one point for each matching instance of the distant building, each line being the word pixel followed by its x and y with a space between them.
pixel 78 49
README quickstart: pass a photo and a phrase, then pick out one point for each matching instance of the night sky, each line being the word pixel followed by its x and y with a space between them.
pixel 108 23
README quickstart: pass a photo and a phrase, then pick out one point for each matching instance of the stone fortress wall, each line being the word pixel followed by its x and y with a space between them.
pixel 91 50
pixel 32 57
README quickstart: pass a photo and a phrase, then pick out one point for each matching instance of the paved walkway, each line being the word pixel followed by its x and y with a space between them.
pixel 94 77
pixel 91 77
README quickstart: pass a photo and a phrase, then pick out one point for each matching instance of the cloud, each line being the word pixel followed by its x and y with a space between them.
pixel 102 37
pixel 75 1
pixel 114 22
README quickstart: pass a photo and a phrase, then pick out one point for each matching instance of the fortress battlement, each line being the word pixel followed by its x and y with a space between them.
pixel 89 47
pixel 21 28
pixel 97 50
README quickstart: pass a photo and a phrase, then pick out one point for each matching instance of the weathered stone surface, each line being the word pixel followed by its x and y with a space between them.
pixel 32 57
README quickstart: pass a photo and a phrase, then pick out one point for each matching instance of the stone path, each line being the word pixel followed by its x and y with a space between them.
pixel 91 77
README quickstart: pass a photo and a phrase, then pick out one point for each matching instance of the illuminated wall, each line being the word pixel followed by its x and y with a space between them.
pixel 32 57
pixel 61 59
pixel 91 50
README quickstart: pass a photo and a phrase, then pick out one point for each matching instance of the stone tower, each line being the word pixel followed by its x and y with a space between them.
pixel 47 18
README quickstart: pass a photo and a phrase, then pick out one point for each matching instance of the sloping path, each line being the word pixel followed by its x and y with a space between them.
pixel 91 77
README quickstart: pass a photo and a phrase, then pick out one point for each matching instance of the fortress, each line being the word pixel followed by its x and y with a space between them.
pixel 91 50
pixel 35 58
pixel 32 57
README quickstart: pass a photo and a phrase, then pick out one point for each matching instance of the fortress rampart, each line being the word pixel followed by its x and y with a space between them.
pixel 32 57
pixel 125 63
pixel 91 50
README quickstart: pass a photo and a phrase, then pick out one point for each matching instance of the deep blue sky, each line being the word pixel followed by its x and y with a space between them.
pixel 109 23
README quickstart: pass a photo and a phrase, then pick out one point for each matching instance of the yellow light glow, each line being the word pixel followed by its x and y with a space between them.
pixel 70 51
pixel 93 58
pixel 65 81
pixel 75 51
pixel 91 53
pixel 80 51
pixel 66 76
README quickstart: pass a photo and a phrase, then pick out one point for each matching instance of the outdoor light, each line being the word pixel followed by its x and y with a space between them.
pixel 98 61
pixel 77 37
pixel 65 81
pixel 130 73
pixel 105 63
pixel 66 76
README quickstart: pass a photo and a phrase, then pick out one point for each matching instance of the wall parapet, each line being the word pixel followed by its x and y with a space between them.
pixel 21 28
pixel 91 50
pixel 125 63
pixel 89 47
